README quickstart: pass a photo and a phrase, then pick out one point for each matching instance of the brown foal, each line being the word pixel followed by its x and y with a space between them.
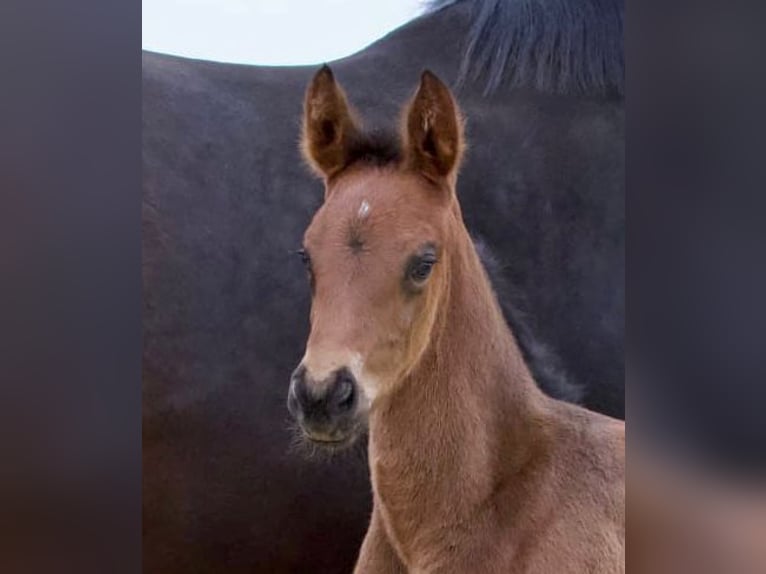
pixel 473 468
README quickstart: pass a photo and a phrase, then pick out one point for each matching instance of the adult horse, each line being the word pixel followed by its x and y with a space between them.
pixel 225 303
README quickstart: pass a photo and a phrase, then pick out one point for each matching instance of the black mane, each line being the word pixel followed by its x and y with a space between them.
pixel 375 147
pixel 571 46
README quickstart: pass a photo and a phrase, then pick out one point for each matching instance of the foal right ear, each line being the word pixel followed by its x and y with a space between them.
pixel 329 126
pixel 433 136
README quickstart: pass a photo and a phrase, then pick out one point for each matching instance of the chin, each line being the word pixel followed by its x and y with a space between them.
pixel 314 446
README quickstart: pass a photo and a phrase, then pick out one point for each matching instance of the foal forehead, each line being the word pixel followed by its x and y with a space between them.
pixel 376 198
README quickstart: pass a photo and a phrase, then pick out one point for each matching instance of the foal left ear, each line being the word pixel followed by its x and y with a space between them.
pixel 433 130
pixel 329 125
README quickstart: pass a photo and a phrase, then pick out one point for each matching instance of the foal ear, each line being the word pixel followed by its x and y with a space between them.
pixel 328 124
pixel 433 130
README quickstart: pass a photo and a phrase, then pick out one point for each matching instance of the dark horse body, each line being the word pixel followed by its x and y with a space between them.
pixel 225 303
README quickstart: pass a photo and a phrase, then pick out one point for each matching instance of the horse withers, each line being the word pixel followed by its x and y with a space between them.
pixel 473 468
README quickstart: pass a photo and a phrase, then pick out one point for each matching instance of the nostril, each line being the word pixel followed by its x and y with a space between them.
pixel 344 395
pixel 292 402
pixel 296 391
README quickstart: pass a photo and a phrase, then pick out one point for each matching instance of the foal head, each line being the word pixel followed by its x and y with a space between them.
pixel 375 253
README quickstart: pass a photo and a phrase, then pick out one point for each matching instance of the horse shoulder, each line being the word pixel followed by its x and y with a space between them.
pixel 585 497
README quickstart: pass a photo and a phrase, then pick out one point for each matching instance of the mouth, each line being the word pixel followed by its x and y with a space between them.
pixel 335 441
pixel 316 444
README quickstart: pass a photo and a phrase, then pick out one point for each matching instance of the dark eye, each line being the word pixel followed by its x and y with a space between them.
pixel 421 267
pixel 303 254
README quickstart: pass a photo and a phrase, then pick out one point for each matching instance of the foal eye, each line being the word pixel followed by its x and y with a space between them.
pixel 306 258
pixel 421 268
pixel 303 254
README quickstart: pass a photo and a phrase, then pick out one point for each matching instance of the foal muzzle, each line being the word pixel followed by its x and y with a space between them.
pixel 325 410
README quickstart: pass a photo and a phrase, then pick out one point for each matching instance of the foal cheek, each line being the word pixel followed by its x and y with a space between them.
pixel 387 354
pixel 410 331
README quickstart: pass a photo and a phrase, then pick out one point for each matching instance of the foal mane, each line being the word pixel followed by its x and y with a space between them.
pixel 562 46
pixel 547 367
pixel 377 147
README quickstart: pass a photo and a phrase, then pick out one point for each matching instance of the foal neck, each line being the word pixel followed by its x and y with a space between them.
pixel 465 420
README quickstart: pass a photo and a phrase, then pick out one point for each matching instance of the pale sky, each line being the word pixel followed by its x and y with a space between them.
pixel 270 31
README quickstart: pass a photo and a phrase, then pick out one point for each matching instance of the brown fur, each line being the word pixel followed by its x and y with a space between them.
pixel 328 124
pixel 473 468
